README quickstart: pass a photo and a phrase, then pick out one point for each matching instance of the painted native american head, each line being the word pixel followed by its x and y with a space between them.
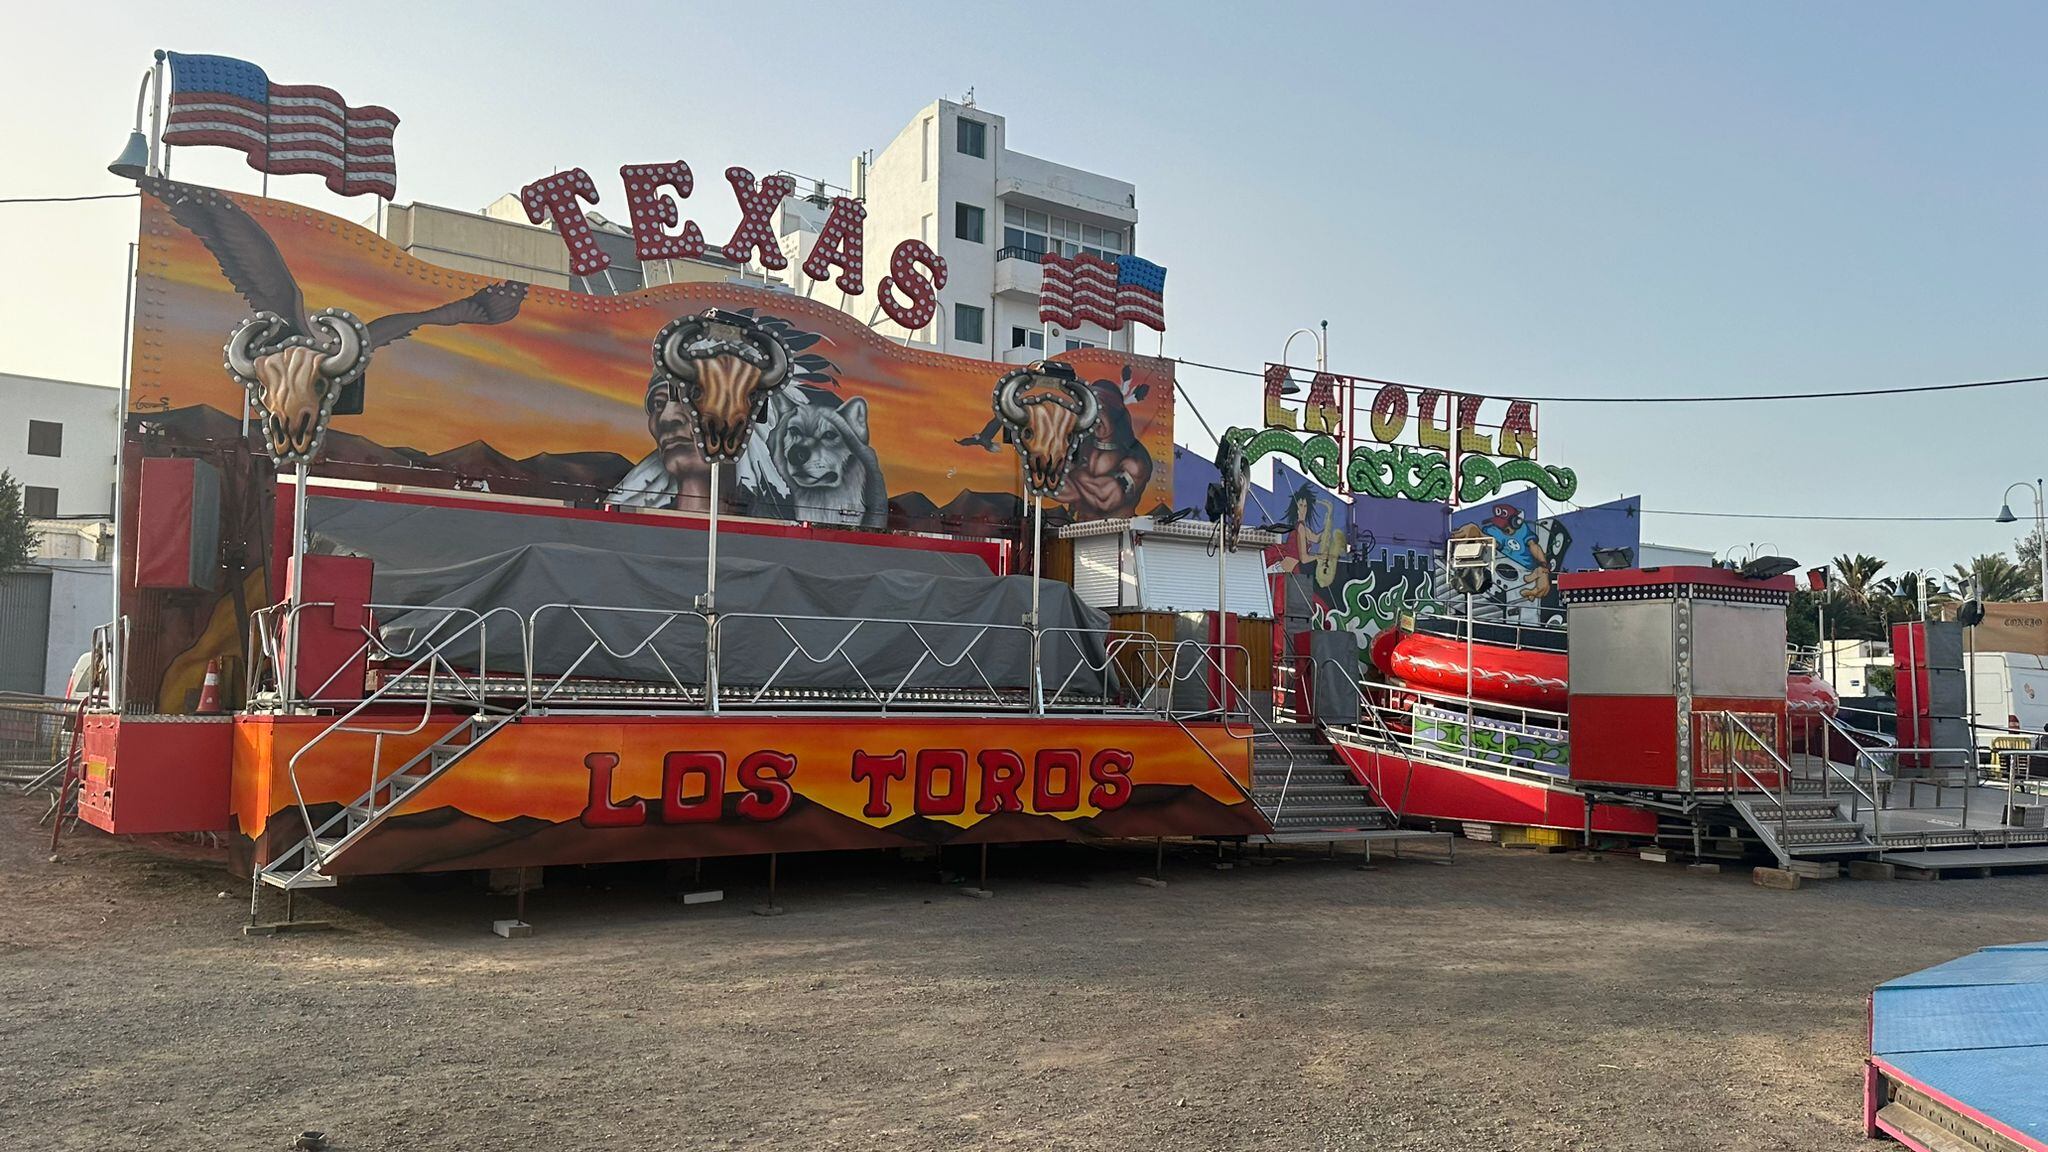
pixel 302 367
pixel 727 365
pixel 1049 413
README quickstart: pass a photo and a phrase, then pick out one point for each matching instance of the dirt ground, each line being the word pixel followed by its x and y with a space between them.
pixel 1505 1001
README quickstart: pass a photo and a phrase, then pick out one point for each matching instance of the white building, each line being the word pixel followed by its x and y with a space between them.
pixel 58 442
pixel 950 179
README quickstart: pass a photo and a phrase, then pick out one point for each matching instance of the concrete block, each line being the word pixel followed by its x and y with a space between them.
pixel 1870 870
pixel 1704 869
pixel 976 893
pixel 1925 875
pixel 769 909
pixel 1781 878
pixel 1817 869
pixel 512 929
pixel 707 896
pixel 1151 881
pixel 1655 855
pixel 1588 857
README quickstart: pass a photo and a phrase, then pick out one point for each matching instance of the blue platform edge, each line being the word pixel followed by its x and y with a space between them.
pixel 1974 1029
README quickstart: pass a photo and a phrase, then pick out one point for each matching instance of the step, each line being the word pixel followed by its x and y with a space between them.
pixel 1306 778
pixel 1300 792
pixel 1334 815
pixel 305 879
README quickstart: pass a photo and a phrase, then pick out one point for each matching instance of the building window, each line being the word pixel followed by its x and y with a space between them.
pixel 968 222
pixel 1032 338
pixel 967 323
pixel 1073 344
pixel 973 138
pixel 39 503
pixel 45 438
pixel 1040 232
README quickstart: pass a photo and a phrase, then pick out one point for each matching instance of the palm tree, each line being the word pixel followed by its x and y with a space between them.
pixel 1998 578
pixel 1856 576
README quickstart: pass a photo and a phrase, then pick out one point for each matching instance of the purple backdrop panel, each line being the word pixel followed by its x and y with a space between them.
pixel 1616 524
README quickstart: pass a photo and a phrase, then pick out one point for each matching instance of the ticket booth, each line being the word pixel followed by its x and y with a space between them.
pixel 1672 670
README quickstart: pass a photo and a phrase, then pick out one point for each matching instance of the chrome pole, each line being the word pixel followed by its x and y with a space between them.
pixel 297 579
pixel 1037 573
pixel 115 664
pixel 157 159
pixel 711 597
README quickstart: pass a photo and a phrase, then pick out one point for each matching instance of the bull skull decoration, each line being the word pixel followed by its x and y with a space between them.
pixel 294 379
pixel 1048 425
pixel 726 365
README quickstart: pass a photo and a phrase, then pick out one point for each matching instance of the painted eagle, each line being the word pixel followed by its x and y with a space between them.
pixel 302 366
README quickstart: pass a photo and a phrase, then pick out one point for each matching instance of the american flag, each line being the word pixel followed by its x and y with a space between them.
pixel 283 128
pixel 1088 289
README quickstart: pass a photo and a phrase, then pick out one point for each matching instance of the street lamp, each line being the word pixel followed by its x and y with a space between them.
pixel 2005 516
pixel 1322 340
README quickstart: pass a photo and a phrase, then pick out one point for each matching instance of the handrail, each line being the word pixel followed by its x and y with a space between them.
pixel 433 659
pixel 1226 688
pixel 838 650
pixel 1116 643
pixel 1784 774
pixel 535 698
pixel 1873 795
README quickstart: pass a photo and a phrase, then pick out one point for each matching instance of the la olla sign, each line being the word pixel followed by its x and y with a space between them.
pixel 909 293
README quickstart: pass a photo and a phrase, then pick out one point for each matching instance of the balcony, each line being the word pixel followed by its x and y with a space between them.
pixel 1018 273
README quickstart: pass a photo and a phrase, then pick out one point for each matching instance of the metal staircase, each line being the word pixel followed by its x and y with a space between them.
pixel 302 865
pixel 1800 827
pixel 1308 793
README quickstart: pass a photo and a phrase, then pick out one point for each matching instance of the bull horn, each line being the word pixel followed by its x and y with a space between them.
pixel 1006 398
pixel 1090 406
pixel 240 350
pixel 670 351
pixel 348 345
pixel 778 359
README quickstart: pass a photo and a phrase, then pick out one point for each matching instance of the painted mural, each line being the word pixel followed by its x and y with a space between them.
pixel 469 381
pixel 1362 565
pixel 601 788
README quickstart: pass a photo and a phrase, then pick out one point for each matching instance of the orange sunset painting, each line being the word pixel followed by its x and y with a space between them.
pixel 558 387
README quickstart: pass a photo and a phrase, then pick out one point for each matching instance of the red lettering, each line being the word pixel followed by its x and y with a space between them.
pixel 878 771
pixel 839 242
pixel 654 211
pixel 931 762
pixel 923 294
pixel 1066 762
pixel 1002 773
pixel 601 812
pixel 709 769
pixel 1111 771
pixel 757 227
pixel 557 196
pixel 765 776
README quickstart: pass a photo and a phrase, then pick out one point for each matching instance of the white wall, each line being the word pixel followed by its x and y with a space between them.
pixel 84 474
pixel 81 599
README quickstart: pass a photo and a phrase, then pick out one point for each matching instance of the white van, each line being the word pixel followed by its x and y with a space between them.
pixel 2011 693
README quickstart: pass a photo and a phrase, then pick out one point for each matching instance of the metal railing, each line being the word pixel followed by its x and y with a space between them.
pixel 1013 252
pixel 647 630
pixel 435 664
pixel 1728 748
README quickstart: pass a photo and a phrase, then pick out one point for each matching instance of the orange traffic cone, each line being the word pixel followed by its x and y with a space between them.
pixel 209 689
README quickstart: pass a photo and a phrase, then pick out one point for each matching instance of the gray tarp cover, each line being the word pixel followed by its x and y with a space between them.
pixel 768 576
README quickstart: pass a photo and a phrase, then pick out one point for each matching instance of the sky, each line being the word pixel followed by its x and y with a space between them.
pixel 1569 199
